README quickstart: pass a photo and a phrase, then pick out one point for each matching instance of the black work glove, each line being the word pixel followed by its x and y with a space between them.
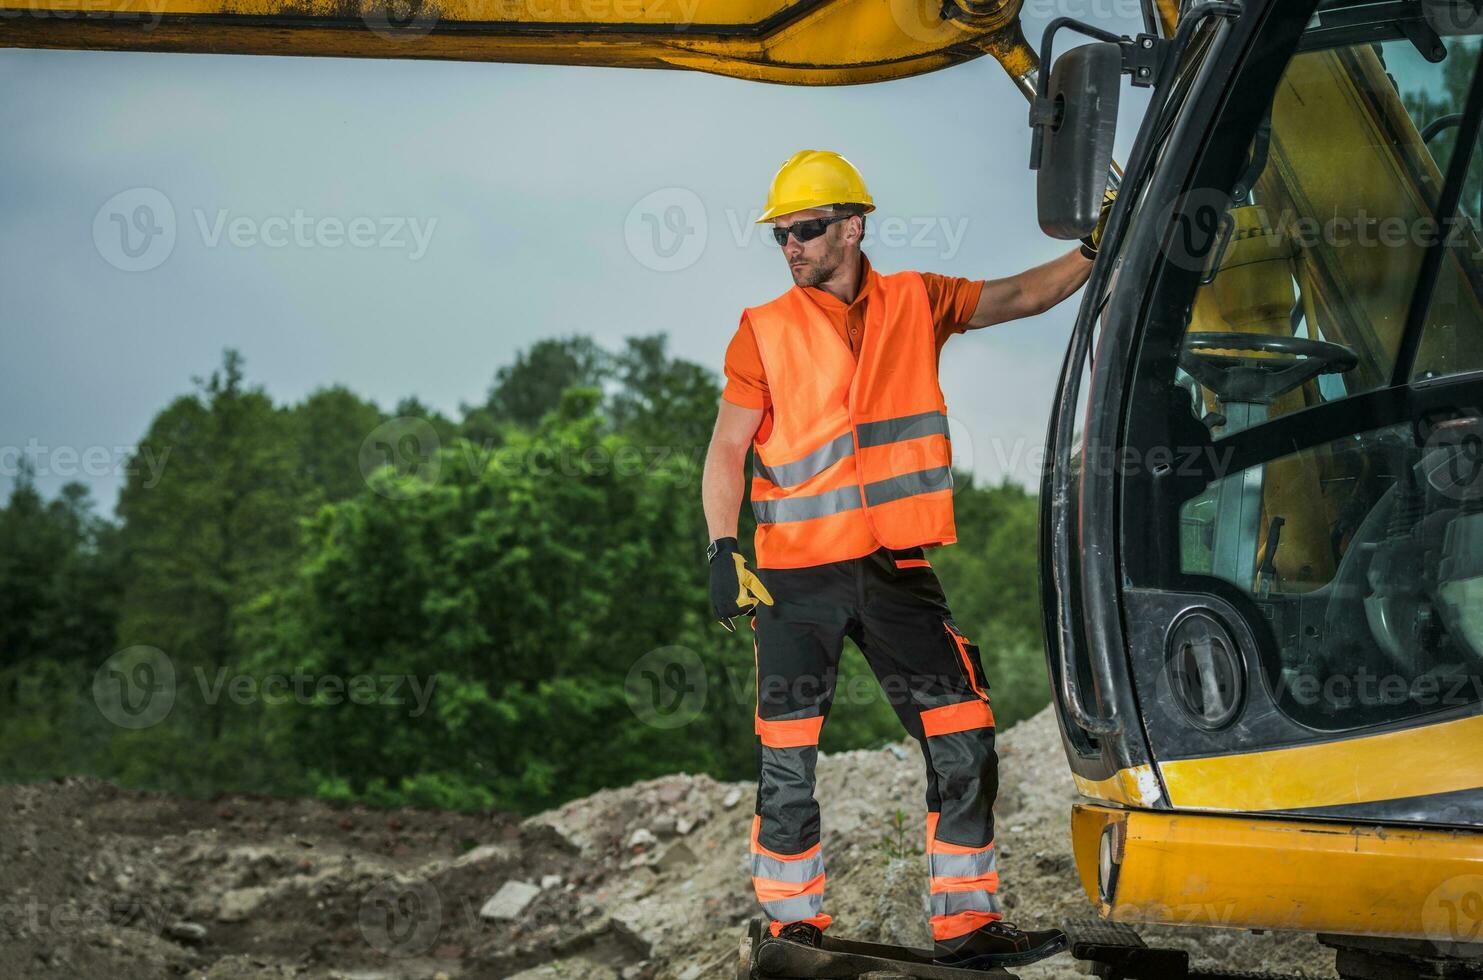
pixel 1092 242
pixel 735 588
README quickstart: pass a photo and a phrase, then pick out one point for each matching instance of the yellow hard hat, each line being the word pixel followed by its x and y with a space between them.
pixel 813 179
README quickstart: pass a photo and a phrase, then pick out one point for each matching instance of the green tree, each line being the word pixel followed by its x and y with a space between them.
pixel 329 429
pixel 527 587
pixel 663 401
pixel 58 575
pixel 59 588
pixel 217 528
pixel 522 592
pixel 524 391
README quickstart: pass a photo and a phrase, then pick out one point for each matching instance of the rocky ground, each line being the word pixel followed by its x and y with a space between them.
pixel 648 882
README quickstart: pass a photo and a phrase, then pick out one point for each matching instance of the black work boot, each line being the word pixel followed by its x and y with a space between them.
pixel 803 934
pixel 999 944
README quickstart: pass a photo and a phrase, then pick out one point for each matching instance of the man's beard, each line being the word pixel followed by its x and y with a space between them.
pixel 816 272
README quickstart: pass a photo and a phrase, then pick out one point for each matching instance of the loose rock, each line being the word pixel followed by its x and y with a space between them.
pixel 509 902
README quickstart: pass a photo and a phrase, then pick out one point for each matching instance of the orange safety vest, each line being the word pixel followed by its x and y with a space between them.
pixel 858 454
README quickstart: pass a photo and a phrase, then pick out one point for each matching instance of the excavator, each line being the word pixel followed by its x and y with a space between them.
pixel 1261 529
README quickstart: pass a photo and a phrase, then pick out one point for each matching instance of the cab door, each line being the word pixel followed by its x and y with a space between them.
pixel 1300 453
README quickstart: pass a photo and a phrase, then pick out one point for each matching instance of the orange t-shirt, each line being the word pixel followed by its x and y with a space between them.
pixel 952 299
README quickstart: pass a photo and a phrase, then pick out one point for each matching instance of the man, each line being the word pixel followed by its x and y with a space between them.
pixel 834 385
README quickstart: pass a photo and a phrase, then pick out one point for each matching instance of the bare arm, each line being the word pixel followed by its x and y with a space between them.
pixel 1032 291
pixel 724 477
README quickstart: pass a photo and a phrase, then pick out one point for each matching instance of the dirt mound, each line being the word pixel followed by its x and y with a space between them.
pixel 648 882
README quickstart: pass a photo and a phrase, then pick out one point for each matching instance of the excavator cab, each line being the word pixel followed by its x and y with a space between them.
pixel 1262 529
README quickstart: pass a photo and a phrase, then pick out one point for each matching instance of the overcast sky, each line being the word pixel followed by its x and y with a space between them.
pixel 403 228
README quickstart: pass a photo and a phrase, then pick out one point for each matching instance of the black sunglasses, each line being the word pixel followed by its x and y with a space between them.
pixel 806 231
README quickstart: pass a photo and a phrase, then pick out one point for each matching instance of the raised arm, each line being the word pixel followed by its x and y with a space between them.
pixel 1032 291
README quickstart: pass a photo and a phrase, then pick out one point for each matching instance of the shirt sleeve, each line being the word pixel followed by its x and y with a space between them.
pixel 746 383
pixel 953 301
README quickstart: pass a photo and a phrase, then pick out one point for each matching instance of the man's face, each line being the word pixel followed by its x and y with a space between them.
pixel 816 261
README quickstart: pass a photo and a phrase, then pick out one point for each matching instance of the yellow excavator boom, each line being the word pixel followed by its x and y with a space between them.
pixel 794 42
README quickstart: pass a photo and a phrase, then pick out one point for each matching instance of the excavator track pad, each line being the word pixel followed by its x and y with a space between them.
pixel 763 957
pixel 1106 949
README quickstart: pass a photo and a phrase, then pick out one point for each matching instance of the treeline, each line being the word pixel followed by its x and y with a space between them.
pixel 503 610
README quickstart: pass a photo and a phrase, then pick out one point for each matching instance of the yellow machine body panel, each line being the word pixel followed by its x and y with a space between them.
pixel 1264 873
pixel 1429 759
pixel 1134 786
pixel 1426 760
pixel 795 42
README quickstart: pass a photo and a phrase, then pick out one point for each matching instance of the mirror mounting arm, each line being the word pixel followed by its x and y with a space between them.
pixel 1044 114
pixel 1142 58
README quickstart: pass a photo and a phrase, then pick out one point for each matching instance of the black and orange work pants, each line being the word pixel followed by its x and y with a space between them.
pixel 892 606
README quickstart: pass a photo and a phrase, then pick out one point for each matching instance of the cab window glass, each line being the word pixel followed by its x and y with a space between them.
pixel 1373 590
pixel 1364 554
pixel 1321 242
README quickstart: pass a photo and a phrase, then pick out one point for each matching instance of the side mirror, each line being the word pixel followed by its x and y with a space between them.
pixel 1076 124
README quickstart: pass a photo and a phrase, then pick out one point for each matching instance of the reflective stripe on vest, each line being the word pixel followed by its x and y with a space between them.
pixel 856 455
pixel 848 498
pixel 902 429
pixel 816 462
pixel 870 434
